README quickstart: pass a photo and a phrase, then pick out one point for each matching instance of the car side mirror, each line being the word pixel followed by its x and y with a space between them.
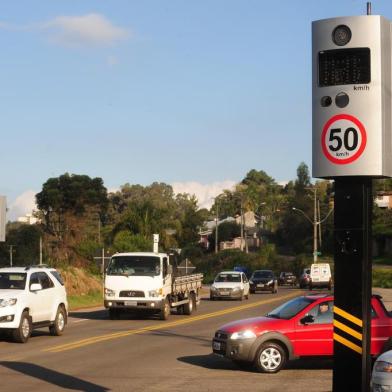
pixel 308 319
pixel 36 287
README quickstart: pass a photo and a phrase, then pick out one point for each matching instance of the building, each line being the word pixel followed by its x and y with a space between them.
pixel 28 219
pixel 383 199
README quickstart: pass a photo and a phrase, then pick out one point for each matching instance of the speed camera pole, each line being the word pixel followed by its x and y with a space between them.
pixel 352 136
pixel 353 272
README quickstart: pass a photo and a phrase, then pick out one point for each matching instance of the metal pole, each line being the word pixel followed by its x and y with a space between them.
pixel 103 260
pixel 99 229
pixel 11 246
pixel 368 8
pixel 242 228
pixel 216 226
pixel 40 250
pixel 319 222
pixel 352 302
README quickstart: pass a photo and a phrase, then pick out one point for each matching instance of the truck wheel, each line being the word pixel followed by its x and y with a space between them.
pixel 190 306
pixel 165 311
pixel 23 332
pixel 58 326
pixel 270 358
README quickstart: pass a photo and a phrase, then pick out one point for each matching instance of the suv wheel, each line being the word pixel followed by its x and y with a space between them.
pixel 270 358
pixel 58 326
pixel 23 332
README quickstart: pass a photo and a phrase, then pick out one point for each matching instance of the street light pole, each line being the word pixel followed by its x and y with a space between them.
pixel 11 251
pixel 315 222
pixel 216 225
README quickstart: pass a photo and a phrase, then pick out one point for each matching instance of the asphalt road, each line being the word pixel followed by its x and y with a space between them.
pixel 98 354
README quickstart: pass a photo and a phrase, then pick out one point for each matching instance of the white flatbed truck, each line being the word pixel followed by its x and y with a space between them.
pixel 147 282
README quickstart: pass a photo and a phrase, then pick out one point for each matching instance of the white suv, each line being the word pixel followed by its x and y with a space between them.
pixel 32 297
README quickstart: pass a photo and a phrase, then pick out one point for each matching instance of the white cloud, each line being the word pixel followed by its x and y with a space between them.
pixel 204 193
pixel 22 205
pixel 86 30
pixel 76 31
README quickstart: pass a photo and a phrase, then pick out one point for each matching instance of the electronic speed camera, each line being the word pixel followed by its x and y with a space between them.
pixel 351 66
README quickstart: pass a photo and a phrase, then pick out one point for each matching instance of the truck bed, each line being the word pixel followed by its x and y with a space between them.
pixel 186 283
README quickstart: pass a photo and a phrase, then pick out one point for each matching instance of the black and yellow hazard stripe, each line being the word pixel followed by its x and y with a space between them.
pixel 347 329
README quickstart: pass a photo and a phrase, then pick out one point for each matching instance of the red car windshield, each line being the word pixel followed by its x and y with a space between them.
pixel 290 308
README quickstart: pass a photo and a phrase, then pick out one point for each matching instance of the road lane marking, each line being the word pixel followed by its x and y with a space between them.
pixel 164 325
pixel 79 321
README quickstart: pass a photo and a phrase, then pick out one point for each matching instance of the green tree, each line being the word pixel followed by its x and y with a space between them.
pixel 71 208
pixel 25 240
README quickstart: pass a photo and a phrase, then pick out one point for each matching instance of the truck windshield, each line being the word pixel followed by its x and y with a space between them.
pixel 290 308
pixel 134 266
pixel 13 281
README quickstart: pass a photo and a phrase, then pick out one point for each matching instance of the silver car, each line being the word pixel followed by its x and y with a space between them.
pixel 230 284
pixel 382 373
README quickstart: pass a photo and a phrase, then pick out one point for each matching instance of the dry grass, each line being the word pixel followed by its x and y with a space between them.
pixel 80 282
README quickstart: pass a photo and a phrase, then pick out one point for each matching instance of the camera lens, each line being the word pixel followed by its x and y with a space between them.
pixel 342 100
pixel 341 35
pixel 326 101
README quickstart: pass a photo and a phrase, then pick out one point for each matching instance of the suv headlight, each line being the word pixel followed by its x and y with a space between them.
pixel 246 334
pixel 109 292
pixel 7 302
pixel 155 293
pixel 382 366
pixel 213 288
pixel 270 281
pixel 238 288
pixel 251 282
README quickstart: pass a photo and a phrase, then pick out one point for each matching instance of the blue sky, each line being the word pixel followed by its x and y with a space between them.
pixel 191 93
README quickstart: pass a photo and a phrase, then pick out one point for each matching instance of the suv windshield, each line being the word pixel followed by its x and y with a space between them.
pixel 13 281
pixel 228 278
pixel 134 266
pixel 290 308
pixel 262 274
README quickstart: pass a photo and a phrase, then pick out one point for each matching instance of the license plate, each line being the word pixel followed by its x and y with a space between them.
pixel 216 346
pixel 260 285
pixel 224 293
pixel 130 303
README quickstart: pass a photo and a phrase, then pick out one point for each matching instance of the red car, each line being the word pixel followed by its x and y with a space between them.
pixel 301 327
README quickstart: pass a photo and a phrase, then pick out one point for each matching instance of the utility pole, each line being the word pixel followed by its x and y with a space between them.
pixel 40 250
pixel 216 225
pixel 319 219
pixel 11 251
pixel 242 227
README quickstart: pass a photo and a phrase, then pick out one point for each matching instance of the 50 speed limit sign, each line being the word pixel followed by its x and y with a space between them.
pixel 343 139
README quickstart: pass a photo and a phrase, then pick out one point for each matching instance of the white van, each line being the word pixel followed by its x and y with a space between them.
pixel 320 276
